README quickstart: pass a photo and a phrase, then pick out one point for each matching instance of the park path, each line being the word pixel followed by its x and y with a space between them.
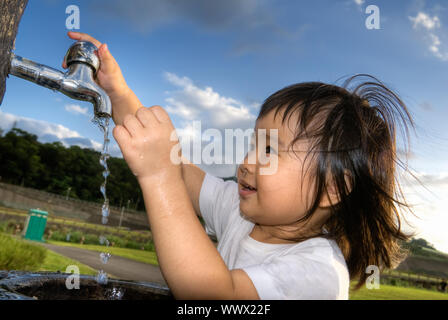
pixel 121 268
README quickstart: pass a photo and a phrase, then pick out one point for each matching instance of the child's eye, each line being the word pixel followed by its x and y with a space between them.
pixel 269 149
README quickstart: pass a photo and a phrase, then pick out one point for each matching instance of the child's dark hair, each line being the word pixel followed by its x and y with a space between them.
pixel 356 139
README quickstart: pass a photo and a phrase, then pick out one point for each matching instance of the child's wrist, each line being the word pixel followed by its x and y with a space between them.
pixel 166 177
pixel 119 95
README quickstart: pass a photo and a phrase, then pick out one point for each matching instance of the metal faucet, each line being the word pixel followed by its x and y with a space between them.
pixel 77 83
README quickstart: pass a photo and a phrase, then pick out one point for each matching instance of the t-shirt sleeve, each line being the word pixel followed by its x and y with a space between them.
pixel 217 199
pixel 292 278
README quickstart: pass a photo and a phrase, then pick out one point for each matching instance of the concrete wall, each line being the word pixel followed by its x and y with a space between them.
pixel 25 198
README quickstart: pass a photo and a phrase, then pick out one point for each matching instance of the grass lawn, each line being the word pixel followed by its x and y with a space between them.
pixel 133 254
pixel 56 262
pixel 386 292
pixel 19 254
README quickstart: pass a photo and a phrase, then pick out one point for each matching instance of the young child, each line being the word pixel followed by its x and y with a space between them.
pixel 327 213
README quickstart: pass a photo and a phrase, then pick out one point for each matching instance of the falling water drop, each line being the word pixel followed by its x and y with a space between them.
pixel 105 256
pixel 114 294
pixel 101 278
pixel 103 189
pixel 105 209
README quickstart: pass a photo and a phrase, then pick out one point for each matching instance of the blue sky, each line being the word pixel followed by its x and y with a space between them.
pixel 216 61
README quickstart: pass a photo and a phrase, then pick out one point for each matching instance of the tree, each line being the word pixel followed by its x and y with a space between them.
pixel 11 13
pixel 55 168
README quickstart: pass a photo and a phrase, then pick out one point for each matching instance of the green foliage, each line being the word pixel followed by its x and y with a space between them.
pixel 58 236
pixel 387 292
pixel 54 168
pixel 75 236
pixel 420 247
pixel 91 239
pixel 19 255
pixel 421 242
pixel 115 241
pixel 8 226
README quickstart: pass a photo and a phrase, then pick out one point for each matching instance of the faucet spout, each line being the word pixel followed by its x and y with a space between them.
pixel 77 83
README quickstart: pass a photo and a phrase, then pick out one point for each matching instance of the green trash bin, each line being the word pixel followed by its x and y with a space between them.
pixel 35 225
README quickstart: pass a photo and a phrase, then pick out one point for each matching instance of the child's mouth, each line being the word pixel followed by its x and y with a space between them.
pixel 246 189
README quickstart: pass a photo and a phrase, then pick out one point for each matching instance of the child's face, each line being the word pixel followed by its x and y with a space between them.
pixel 283 196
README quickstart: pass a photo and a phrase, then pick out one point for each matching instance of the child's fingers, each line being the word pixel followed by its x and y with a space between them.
pixel 106 58
pixel 132 124
pixel 121 135
pixel 146 117
pixel 160 113
pixel 83 37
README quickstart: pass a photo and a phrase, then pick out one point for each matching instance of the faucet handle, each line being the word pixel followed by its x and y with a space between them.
pixel 83 52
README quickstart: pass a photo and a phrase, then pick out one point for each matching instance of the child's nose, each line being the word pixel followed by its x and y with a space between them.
pixel 245 169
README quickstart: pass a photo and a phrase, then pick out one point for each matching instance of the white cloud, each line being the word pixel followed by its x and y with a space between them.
pixel 205 104
pixel 435 48
pixel 51 132
pixel 76 109
pixel 37 127
pixel 431 27
pixel 425 21
pixel 192 103
pixel 428 202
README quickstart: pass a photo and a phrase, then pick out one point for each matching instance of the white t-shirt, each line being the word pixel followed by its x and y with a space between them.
pixel 312 269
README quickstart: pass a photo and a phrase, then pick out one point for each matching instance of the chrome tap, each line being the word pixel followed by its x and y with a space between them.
pixel 77 83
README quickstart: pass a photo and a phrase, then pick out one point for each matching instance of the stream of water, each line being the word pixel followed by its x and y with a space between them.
pixel 103 123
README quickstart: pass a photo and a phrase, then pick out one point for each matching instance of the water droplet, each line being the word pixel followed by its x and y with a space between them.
pixel 101 278
pixel 106 173
pixel 114 294
pixel 103 189
pixel 105 210
pixel 140 156
pixel 105 256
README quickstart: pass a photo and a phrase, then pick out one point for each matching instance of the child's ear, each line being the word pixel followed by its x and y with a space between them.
pixel 333 196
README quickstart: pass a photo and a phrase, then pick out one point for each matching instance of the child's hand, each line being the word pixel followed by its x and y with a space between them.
pixel 109 74
pixel 146 143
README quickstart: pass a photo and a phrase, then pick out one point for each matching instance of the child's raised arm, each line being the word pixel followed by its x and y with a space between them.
pixel 193 177
pixel 124 102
